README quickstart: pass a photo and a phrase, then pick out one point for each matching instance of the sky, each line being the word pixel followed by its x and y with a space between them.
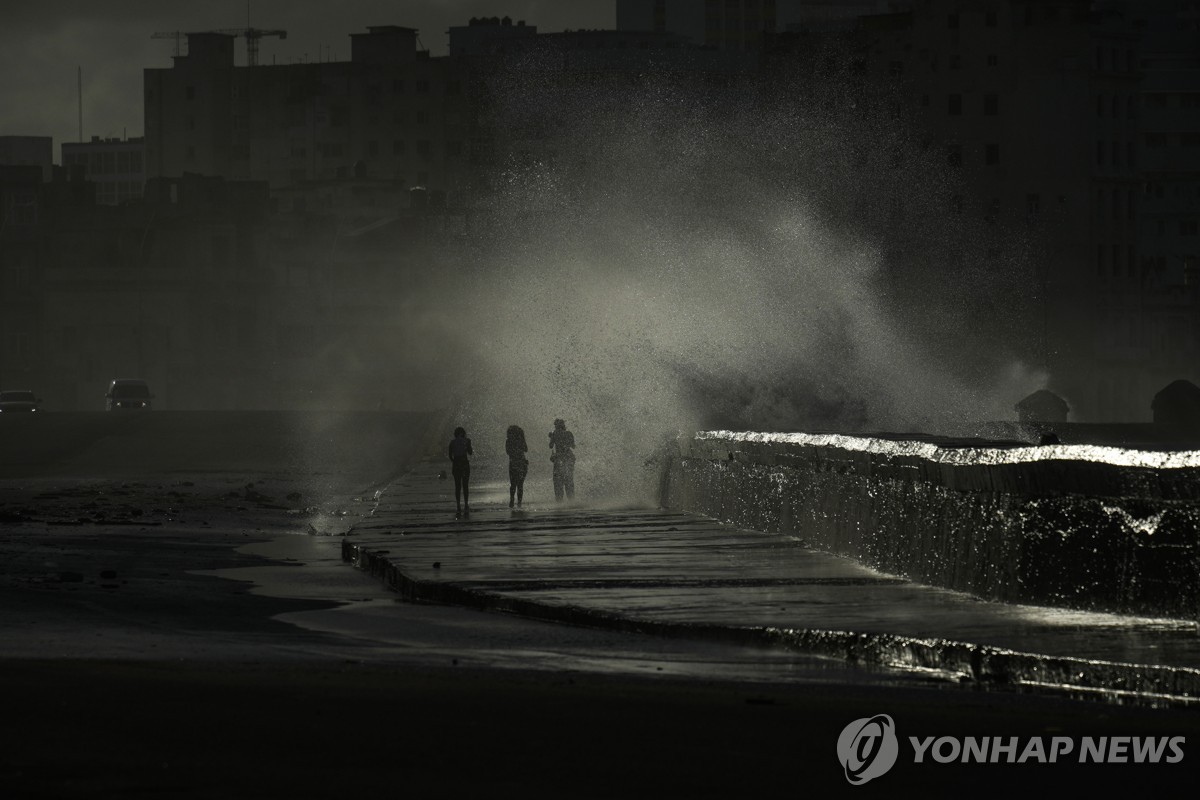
pixel 42 44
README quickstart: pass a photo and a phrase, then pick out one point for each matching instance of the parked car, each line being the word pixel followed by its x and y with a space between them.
pixel 131 393
pixel 13 401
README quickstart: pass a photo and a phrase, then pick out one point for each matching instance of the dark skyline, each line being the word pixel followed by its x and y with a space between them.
pixel 45 43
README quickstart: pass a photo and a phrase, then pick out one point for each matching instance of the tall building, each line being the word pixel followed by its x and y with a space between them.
pixel 1169 163
pixel 723 24
pixel 391 112
pixel 487 35
pixel 116 166
pixel 1036 104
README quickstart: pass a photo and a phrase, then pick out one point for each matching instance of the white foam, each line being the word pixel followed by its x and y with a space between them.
pixel 1115 456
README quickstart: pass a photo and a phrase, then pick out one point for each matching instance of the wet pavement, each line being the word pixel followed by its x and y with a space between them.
pixel 674 574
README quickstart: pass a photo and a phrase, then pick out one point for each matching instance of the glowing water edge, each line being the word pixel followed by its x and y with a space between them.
pixel 1115 456
pixel 1068 526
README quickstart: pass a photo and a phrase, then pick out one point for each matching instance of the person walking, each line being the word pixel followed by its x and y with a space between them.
pixel 460 466
pixel 562 446
pixel 518 464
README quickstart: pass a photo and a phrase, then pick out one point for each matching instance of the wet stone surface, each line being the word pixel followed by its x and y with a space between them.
pixel 700 577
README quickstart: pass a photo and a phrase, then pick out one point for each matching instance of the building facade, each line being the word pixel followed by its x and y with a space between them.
pixel 391 112
pixel 1039 105
pixel 116 166
pixel 722 24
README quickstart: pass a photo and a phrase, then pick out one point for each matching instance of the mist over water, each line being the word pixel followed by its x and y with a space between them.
pixel 662 259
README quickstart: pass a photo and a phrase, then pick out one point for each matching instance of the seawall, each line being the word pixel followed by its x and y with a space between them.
pixel 1074 526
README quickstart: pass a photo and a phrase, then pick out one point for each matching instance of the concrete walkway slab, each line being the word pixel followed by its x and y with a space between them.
pixel 677 574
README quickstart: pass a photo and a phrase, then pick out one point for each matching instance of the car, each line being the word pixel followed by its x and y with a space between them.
pixel 128 393
pixel 14 401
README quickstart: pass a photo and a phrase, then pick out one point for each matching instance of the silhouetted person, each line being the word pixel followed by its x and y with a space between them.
pixel 460 466
pixel 562 445
pixel 518 464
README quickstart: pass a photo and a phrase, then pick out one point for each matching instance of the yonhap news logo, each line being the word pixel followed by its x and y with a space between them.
pixel 869 747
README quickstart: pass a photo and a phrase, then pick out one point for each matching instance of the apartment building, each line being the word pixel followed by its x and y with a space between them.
pixel 391 112
pixel 116 166
pixel 1036 104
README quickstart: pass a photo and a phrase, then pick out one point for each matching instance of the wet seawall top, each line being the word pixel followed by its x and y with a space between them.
pixel 1075 526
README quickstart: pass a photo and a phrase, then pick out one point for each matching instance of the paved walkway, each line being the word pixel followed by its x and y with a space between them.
pixel 678 574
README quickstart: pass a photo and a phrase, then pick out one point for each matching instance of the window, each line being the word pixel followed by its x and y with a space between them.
pixel 954 105
pixel 993 60
pixel 398 147
pixel 423 87
pixel 1100 260
pixel 989 19
pixel 453 87
pixel 952 21
pixel 1033 204
pixel 454 148
pixel 956 61
pixel 895 68
pixel 1100 154
pixel 190 93
pixel 992 154
pixel 423 148
pixel 991 104
pixel 1187 227
pixel 954 155
pixel 397 85
pixel 372 148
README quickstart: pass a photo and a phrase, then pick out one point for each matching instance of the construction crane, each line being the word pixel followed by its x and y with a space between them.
pixel 252 35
